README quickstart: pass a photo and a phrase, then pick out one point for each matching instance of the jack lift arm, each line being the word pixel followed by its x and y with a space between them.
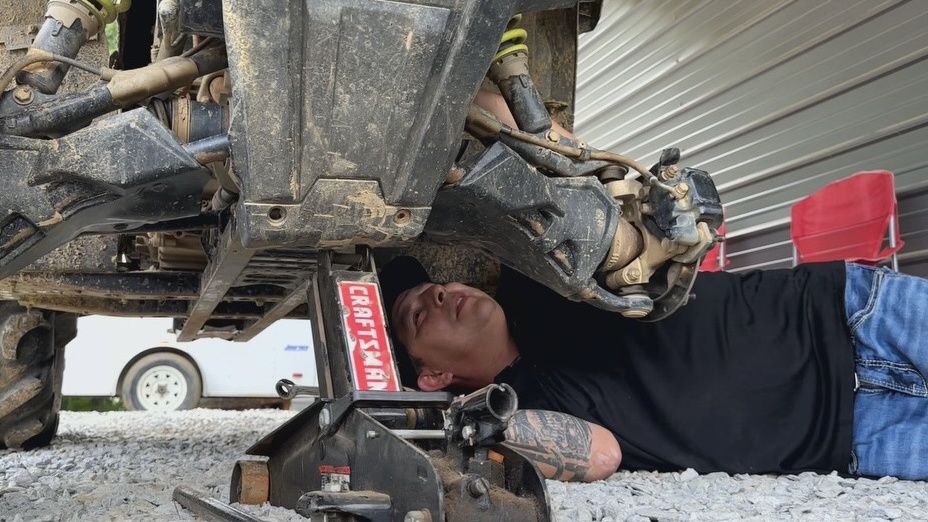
pixel 367 450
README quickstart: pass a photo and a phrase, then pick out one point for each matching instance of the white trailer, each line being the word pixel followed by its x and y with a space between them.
pixel 141 361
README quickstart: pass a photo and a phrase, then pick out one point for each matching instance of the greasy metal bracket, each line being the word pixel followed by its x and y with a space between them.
pixel 218 279
pixel 235 269
pixel 279 311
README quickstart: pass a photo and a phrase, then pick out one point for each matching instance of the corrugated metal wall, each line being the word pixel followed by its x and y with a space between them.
pixel 774 98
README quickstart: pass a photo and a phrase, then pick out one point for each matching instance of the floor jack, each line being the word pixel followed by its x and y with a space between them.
pixel 370 451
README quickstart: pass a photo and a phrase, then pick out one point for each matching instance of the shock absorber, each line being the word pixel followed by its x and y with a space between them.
pixel 68 25
pixel 510 73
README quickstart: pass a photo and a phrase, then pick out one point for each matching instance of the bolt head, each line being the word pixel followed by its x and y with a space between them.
pixel 23 95
pixel 554 136
pixel 669 172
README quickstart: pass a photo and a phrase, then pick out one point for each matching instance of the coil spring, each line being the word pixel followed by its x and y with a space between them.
pixel 513 40
pixel 106 11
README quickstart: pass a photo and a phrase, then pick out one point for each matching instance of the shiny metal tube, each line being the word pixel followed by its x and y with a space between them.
pixel 498 400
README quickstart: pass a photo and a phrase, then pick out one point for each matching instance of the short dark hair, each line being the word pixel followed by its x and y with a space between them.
pixel 396 277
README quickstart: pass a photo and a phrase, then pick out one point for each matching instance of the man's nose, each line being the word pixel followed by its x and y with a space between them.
pixel 437 294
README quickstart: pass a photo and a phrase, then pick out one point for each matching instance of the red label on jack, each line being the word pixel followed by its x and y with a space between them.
pixel 325 469
pixel 369 350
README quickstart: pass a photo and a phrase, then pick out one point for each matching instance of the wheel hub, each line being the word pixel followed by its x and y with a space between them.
pixel 161 388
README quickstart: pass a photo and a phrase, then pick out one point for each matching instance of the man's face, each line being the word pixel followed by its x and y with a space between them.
pixel 440 324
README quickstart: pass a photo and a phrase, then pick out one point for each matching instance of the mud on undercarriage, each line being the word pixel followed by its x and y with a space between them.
pixel 260 137
pixel 243 151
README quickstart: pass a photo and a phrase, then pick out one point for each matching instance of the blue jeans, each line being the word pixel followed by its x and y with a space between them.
pixel 888 317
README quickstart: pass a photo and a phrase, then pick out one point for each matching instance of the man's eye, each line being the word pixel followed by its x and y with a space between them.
pixel 417 318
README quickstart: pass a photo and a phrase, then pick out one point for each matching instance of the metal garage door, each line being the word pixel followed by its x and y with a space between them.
pixel 774 98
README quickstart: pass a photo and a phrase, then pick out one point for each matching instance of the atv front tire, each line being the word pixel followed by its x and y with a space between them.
pixel 31 368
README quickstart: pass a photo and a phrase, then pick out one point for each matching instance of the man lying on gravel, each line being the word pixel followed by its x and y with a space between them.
pixel 818 368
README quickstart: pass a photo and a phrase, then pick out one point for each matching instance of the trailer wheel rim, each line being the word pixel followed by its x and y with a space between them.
pixel 161 388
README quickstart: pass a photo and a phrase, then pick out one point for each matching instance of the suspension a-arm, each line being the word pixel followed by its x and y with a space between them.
pixel 593 225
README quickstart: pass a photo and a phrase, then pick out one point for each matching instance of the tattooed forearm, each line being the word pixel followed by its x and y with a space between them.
pixel 558 444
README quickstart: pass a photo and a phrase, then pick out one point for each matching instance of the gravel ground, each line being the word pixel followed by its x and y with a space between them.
pixel 124 466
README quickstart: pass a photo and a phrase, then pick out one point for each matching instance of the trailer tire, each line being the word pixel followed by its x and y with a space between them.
pixel 161 381
pixel 31 368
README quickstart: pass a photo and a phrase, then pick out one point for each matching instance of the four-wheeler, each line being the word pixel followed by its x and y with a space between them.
pixel 238 162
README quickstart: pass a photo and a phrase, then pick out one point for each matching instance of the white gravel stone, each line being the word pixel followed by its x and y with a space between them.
pixel 125 465
pixel 717 496
pixel 21 478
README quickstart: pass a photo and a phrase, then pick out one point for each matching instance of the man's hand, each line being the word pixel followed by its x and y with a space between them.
pixel 564 447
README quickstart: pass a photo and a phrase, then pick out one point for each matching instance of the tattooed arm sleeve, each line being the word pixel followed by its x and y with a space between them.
pixel 562 446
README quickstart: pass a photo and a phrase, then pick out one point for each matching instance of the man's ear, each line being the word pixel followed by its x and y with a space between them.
pixel 434 380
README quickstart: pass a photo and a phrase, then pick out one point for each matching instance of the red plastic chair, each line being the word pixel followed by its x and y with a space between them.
pixel 848 220
pixel 715 259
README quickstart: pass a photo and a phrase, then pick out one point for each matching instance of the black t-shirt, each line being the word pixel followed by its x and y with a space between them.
pixel 754 375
